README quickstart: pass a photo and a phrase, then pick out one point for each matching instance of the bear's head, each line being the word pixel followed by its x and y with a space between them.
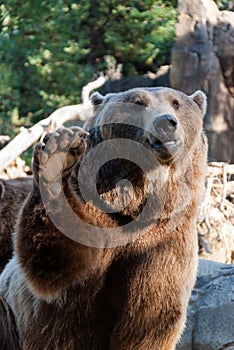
pixel 164 120
pixel 145 139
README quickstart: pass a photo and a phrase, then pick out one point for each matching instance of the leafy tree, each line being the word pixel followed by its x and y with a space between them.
pixel 225 4
pixel 50 49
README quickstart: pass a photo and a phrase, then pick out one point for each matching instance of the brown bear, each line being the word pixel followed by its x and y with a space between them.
pixel 106 244
pixel 12 194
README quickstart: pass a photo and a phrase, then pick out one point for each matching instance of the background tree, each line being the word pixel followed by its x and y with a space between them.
pixel 50 49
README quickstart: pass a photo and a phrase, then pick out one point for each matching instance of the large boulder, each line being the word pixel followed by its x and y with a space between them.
pixel 210 324
pixel 203 58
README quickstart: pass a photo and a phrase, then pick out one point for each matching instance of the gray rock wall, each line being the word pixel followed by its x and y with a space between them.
pixel 210 324
pixel 203 58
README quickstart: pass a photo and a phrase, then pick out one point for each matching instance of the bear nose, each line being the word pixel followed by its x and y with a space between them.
pixel 165 124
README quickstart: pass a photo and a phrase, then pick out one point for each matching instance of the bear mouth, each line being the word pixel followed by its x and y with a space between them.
pixel 164 149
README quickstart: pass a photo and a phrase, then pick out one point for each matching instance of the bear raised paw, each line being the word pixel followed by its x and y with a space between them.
pixel 54 158
pixel 137 173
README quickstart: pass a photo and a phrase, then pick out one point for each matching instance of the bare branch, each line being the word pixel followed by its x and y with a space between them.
pixel 27 137
pixel 216 169
pixel 87 89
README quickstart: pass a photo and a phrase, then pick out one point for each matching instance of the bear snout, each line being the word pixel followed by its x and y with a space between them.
pixel 165 126
pixel 163 139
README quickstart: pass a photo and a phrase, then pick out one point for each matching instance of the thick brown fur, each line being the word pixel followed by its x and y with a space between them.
pixel 9 336
pixel 68 296
pixel 12 195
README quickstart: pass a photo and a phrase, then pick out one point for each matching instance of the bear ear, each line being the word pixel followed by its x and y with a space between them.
pixel 200 99
pixel 96 99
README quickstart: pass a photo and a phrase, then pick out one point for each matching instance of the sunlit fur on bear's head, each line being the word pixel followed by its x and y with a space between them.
pixel 134 114
pixel 163 123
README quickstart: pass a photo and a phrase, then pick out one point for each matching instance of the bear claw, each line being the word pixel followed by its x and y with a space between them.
pixel 55 157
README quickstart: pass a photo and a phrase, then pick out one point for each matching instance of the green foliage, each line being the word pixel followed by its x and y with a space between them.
pixel 50 49
pixel 139 38
pixel 225 4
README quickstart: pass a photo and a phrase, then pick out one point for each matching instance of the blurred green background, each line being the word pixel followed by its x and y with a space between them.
pixel 50 49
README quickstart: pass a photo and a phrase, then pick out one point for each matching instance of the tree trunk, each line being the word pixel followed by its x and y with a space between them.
pixel 203 58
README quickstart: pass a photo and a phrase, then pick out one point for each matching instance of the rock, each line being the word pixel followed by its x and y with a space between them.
pixel 210 324
pixel 160 78
pixel 203 58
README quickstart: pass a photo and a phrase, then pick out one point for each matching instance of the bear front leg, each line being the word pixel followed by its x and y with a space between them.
pixel 47 256
pixel 146 337
pixel 8 333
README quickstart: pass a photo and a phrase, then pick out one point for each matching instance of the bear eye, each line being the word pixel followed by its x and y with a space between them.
pixel 175 104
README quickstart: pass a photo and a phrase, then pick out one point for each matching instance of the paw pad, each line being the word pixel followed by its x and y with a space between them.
pixel 55 157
